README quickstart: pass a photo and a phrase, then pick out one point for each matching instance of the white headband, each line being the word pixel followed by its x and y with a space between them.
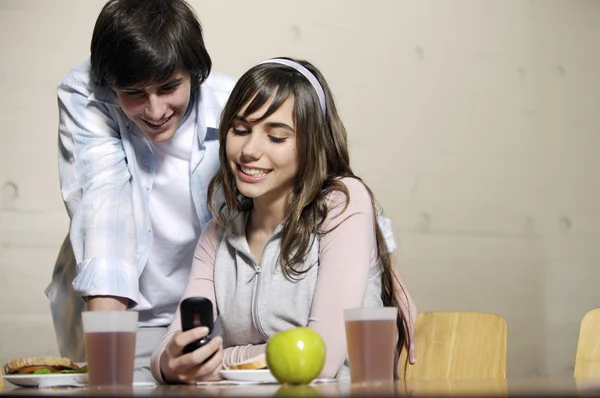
pixel 306 73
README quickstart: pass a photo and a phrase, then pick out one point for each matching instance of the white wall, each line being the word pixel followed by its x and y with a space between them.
pixel 473 120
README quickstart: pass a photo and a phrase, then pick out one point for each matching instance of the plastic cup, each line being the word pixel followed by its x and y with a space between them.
pixel 371 338
pixel 110 347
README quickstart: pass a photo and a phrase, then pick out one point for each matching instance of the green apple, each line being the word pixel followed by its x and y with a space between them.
pixel 296 356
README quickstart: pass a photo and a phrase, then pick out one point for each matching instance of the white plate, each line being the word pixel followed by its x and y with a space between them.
pixel 260 376
pixel 48 380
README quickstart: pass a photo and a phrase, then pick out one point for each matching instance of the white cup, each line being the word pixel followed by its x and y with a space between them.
pixel 371 339
pixel 110 346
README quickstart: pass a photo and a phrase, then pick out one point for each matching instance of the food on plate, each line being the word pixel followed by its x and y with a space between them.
pixel 42 365
pixel 296 356
pixel 254 363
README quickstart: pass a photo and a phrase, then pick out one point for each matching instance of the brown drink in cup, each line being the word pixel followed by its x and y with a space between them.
pixel 371 339
pixel 110 347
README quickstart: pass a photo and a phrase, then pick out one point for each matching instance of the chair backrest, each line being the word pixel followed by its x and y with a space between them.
pixel 587 358
pixel 458 345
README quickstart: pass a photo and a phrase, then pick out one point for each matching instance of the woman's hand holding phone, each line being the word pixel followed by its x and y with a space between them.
pixel 191 355
pixel 202 364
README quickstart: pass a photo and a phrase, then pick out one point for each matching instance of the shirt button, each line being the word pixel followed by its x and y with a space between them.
pixel 148 187
pixel 149 228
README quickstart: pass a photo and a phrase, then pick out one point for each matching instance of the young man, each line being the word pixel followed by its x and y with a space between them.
pixel 137 151
pixel 137 138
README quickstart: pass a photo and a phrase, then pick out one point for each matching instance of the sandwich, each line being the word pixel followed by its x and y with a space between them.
pixel 42 365
pixel 254 363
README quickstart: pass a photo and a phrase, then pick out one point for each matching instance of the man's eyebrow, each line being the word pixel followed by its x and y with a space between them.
pixel 130 88
pixel 167 83
pixel 172 82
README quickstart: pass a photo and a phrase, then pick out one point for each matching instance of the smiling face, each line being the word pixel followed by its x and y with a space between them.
pixel 157 109
pixel 262 155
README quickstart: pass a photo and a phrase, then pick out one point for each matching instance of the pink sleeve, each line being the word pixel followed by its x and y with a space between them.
pixel 346 254
pixel 200 283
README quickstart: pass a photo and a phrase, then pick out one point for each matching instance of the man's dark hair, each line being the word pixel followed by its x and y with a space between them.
pixel 144 42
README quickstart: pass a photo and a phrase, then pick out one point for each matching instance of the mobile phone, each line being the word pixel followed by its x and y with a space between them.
pixel 196 311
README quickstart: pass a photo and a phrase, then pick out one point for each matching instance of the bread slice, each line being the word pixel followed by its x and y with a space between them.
pixel 257 362
pixel 29 365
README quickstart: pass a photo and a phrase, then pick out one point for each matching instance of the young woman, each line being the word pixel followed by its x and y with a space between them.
pixel 294 238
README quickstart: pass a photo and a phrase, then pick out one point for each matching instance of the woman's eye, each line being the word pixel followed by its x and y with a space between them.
pixel 239 131
pixel 277 140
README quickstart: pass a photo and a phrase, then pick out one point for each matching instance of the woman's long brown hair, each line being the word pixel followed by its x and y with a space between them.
pixel 323 161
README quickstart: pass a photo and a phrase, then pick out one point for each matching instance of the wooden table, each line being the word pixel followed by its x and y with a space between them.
pixel 411 388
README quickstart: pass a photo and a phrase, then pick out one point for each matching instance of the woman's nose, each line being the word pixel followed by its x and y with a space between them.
pixel 252 147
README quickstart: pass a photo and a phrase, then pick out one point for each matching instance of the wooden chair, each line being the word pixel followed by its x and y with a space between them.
pixel 458 345
pixel 587 358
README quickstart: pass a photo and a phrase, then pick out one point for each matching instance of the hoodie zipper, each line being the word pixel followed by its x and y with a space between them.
pixel 255 296
pixel 255 305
